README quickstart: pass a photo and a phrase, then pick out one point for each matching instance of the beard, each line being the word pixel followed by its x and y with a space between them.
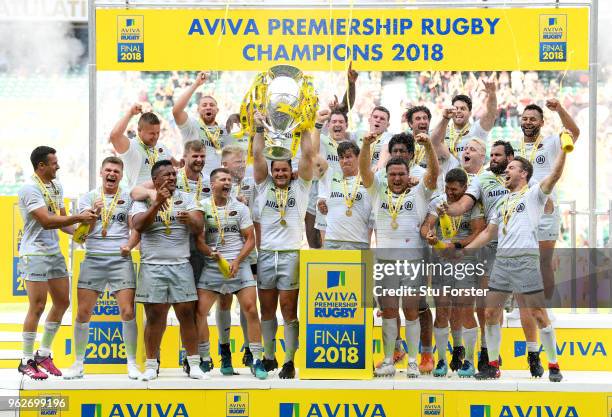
pixel 534 132
pixel 499 169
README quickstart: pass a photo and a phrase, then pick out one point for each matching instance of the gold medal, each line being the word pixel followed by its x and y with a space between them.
pixel 107 212
pixel 349 198
pixel 167 231
pixel 213 137
pixel 283 222
pixel 394 209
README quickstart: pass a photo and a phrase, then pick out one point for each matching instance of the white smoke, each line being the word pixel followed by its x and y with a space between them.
pixel 28 47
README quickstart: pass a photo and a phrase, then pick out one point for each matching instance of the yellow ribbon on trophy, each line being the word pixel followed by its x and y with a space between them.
pixel 305 111
pixel 253 100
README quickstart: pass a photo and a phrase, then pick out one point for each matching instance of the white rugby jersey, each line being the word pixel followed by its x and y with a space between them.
pixel 137 161
pixel 521 232
pixel 410 217
pixel 117 232
pixel 340 227
pixel 194 129
pixel 274 235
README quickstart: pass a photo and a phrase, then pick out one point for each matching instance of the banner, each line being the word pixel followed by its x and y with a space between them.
pixel 389 39
pixel 13 290
pixel 299 402
pixel 336 320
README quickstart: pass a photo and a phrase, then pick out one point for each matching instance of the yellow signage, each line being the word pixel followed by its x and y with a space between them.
pixel 336 329
pixel 390 39
pixel 300 402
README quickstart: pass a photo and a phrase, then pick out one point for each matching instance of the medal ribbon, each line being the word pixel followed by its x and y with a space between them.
pixel 212 137
pixel 215 214
pixel 534 150
pixel 107 213
pixel 166 214
pixel 45 192
pixel 510 204
pixel 394 209
pixel 186 184
pixel 349 199
pixel 151 152
pixel 455 135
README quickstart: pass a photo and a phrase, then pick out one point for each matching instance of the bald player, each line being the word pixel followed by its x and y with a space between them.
pixel 204 127
pixel 139 154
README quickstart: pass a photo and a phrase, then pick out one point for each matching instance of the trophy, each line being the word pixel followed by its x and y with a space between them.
pixel 283 102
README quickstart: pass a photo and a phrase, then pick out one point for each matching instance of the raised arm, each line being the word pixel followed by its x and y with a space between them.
pixel 306 163
pixel 548 183
pixel 178 110
pixel 430 179
pixel 365 160
pixel 322 117
pixel 439 133
pixel 260 166
pixel 120 142
pixel 567 120
pixel 349 96
pixel 488 118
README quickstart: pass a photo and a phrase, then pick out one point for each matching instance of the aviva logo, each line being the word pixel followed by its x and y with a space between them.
pixel 289 410
pixel 336 279
pixel 332 410
pixel 136 410
pixel 524 411
pixel 568 348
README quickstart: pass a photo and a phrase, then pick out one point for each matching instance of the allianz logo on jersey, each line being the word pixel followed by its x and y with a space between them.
pixel 567 348
pixel 332 410
pixel 480 410
pixel 135 410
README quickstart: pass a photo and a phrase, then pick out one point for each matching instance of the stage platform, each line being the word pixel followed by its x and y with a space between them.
pixel 581 394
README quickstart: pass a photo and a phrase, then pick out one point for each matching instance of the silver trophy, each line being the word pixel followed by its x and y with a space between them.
pixel 284 82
